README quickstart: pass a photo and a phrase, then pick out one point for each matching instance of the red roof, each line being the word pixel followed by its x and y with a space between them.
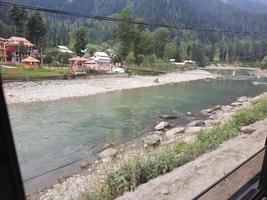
pixel 2 39
pixel 16 40
pixel 90 62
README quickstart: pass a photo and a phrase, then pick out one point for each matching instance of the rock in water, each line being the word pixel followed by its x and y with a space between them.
pixel 152 141
pixel 172 133
pixel 161 126
pixel 168 116
pixel 196 123
pixel 108 154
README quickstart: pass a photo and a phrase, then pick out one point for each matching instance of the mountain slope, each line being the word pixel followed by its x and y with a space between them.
pixel 189 12
pixel 255 6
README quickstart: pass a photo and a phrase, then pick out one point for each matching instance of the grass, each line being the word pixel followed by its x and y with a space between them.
pixel 20 71
pixel 140 170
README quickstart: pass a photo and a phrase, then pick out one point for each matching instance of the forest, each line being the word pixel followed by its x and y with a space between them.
pixel 150 42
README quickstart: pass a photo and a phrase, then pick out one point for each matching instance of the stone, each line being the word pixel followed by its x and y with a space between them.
pixel 255 100
pixel 164 191
pixel 188 113
pixel 173 132
pixel 196 123
pixel 218 107
pixel 162 125
pixel 242 99
pixel 152 140
pixel 108 154
pixel 236 104
pixel 248 129
pixel 107 145
pixel 211 117
pixel 226 108
pixel 168 117
pixel 211 122
pixel 193 130
pixel 207 111
pixel 159 133
pixel 84 165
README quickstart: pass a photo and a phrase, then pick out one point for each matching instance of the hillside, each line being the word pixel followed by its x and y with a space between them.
pixel 255 6
pixel 225 14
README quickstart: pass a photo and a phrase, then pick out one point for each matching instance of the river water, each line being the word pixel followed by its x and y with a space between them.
pixel 51 134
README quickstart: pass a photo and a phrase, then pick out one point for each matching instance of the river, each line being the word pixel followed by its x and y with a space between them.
pixel 52 134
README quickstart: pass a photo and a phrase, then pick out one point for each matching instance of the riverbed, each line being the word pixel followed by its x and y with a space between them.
pixel 49 135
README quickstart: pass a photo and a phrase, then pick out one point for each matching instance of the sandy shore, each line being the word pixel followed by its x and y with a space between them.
pixel 27 92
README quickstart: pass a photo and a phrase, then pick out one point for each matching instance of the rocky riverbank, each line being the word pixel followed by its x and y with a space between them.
pixel 41 91
pixel 162 136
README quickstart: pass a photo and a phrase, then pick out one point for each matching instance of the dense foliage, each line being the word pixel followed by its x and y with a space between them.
pixel 134 43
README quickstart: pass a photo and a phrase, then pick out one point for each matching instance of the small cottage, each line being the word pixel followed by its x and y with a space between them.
pixel 31 62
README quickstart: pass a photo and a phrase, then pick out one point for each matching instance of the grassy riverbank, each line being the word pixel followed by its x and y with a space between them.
pixel 140 170
pixel 20 71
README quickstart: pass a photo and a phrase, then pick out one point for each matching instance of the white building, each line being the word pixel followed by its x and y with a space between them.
pixel 101 58
pixel 64 49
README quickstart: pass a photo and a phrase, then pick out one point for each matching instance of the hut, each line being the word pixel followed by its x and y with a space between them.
pixel 30 62
pixel 77 65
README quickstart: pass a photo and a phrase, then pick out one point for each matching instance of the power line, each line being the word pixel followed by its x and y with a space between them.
pixel 115 19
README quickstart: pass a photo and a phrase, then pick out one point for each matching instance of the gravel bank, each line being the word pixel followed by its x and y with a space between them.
pixel 27 92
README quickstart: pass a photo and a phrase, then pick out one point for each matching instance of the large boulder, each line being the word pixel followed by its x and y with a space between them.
pixel 173 132
pixel 161 126
pixel 196 123
pixel 152 141
pixel 108 154
pixel 248 129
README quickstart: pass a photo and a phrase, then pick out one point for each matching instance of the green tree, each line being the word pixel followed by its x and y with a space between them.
pixel 36 28
pixel 125 33
pixel 162 37
pixel 63 58
pixel 130 58
pixel 80 40
pixel 48 59
pixel 19 17
pixel 170 50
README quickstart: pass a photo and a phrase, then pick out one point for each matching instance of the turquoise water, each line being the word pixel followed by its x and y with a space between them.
pixel 51 134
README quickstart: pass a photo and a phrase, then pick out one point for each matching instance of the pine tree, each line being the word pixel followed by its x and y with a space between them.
pixel 80 40
pixel 36 28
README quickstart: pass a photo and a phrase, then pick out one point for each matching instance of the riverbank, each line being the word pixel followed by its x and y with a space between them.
pixel 42 91
pixel 79 184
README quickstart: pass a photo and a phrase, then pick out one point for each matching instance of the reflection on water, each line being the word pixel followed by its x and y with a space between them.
pixel 50 134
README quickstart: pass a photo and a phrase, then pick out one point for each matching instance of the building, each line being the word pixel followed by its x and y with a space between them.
pixel 2 50
pixel 101 58
pixel 91 64
pixel 12 47
pixel 64 49
pixel 77 65
pixel 30 62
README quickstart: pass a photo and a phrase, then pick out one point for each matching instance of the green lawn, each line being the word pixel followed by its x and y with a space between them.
pixel 18 71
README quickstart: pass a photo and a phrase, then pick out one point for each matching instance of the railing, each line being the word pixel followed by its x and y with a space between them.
pixel 243 183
